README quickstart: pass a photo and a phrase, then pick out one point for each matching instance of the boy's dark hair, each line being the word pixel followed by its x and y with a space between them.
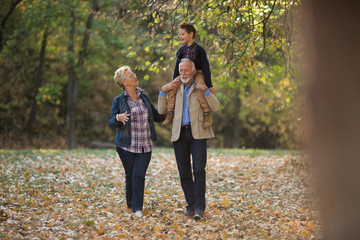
pixel 188 28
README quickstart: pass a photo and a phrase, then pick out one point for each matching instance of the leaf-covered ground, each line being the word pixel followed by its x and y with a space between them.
pixel 58 194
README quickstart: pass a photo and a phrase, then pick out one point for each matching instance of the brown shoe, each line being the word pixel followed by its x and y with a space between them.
pixel 207 120
pixel 169 118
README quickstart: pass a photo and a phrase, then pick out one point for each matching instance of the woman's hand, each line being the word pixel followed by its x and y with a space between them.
pixel 123 117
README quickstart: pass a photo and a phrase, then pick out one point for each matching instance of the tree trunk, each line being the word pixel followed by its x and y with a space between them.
pixel 237 102
pixel 333 37
pixel 73 79
pixel 72 86
pixel 86 38
pixel 3 22
pixel 39 79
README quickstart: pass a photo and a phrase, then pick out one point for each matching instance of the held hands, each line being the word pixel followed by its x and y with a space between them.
pixel 124 117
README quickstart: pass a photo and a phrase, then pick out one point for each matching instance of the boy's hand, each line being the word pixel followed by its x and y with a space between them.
pixel 168 87
pixel 201 86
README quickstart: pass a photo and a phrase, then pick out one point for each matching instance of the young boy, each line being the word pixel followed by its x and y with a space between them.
pixel 197 54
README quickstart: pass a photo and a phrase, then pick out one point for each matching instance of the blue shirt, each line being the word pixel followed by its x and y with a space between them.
pixel 186 115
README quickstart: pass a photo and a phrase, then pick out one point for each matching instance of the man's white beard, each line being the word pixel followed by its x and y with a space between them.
pixel 185 79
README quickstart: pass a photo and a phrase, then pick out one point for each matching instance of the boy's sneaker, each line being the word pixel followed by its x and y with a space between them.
pixel 169 118
pixel 189 213
pixel 198 215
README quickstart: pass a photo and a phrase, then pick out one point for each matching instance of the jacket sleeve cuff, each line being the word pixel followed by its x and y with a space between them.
pixel 207 93
pixel 162 94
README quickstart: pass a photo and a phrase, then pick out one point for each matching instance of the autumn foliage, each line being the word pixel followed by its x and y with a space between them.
pixel 48 194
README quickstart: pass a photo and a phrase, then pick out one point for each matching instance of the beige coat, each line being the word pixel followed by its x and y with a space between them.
pixel 195 112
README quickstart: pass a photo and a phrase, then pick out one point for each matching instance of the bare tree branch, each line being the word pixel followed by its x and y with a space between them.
pixel 3 22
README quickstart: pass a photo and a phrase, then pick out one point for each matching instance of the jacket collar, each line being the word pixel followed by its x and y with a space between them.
pixel 138 91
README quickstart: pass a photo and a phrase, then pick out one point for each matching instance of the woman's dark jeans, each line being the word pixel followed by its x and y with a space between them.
pixel 135 165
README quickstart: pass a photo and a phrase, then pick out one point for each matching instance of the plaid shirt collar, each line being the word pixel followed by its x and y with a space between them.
pixel 138 92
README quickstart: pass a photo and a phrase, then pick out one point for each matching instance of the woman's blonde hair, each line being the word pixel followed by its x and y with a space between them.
pixel 119 75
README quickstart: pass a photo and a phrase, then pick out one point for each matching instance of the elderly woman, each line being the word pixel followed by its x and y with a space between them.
pixel 133 115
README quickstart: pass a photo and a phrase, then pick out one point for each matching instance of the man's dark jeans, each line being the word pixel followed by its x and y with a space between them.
pixel 135 165
pixel 194 189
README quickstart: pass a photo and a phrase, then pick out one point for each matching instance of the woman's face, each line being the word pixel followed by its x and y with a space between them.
pixel 184 36
pixel 130 79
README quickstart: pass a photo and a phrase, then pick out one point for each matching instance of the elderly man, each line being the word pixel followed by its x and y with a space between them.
pixel 189 136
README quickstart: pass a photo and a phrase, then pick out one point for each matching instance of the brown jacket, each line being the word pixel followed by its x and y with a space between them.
pixel 195 112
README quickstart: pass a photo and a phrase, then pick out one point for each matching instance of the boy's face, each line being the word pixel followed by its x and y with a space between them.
pixel 184 36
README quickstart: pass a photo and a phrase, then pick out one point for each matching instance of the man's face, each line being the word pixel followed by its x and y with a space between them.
pixel 186 73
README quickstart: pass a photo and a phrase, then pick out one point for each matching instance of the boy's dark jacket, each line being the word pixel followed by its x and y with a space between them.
pixel 123 133
pixel 201 63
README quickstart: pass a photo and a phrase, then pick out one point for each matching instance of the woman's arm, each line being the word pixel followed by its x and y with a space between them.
pixel 113 123
pixel 157 116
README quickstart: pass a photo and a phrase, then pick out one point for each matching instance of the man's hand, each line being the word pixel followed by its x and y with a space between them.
pixel 201 86
pixel 168 87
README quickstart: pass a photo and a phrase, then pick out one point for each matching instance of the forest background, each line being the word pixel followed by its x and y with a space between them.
pixel 58 58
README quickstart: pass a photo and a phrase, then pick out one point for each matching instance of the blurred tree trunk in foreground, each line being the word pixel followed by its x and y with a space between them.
pixel 333 37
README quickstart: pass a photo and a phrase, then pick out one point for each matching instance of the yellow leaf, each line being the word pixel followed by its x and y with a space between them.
pixel 181 233
pixel 156 230
pixel 225 203
pixel 305 233
pixel 121 236
pixel 101 231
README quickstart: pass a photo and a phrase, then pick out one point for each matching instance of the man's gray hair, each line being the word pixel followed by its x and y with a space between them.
pixel 187 60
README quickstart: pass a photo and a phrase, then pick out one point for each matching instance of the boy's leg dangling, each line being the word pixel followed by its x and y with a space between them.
pixel 169 117
pixel 199 77
pixel 171 102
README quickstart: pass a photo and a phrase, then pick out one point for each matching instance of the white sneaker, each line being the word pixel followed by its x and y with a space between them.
pixel 138 213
